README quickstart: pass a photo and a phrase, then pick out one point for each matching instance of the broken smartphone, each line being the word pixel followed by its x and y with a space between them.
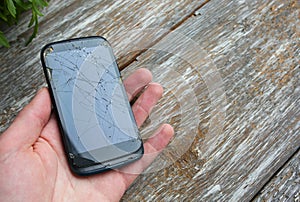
pixel 95 117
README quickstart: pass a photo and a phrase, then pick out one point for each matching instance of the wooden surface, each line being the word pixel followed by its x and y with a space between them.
pixel 231 74
pixel 285 185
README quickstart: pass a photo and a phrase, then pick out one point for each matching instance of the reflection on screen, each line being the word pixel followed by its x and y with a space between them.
pixel 88 87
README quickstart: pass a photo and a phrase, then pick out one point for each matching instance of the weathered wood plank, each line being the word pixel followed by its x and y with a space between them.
pixel 255 47
pixel 285 186
pixel 21 72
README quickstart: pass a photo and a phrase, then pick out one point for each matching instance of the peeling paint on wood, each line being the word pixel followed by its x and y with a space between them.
pixel 21 72
pixel 255 46
pixel 285 186
pixel 252 45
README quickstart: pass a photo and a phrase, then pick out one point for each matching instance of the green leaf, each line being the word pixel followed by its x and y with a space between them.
pixel 3 17
pixel 41 3
pixel 11 20
pixel 11 7
pixel 35 8
pixel 35 30
pixel 11 10
pixel 25 5
pixel 31 20
pixel 3 40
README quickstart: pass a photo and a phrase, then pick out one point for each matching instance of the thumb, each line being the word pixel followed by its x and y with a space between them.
pixel 27 126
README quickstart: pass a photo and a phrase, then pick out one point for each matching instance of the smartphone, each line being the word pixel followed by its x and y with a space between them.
pixel 94 114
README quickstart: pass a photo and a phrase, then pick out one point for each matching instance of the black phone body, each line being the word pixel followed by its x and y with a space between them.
pixel 95 117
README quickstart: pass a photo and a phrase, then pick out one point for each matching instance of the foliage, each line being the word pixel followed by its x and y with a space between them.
pixel 10 11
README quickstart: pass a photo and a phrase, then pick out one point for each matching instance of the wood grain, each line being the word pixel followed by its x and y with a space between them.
pixel 21 72
pixel 285 186
pixel 255 47
pixel 230 70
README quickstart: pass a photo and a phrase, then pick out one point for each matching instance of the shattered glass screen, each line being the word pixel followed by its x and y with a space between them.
pixel 89 94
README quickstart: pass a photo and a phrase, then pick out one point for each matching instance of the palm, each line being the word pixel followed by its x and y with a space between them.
pixel 33 161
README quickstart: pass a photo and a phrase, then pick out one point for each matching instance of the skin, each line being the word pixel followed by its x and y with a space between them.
pixel 33 166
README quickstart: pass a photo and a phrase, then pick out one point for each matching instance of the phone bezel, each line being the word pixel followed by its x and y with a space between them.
pixel 99 166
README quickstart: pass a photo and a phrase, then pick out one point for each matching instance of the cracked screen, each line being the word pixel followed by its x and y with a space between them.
pixel 91 101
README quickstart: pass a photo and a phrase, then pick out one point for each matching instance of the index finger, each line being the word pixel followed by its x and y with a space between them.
pixel 136 82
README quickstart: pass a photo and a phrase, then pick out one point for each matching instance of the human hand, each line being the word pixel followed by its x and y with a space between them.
pixel 33 166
